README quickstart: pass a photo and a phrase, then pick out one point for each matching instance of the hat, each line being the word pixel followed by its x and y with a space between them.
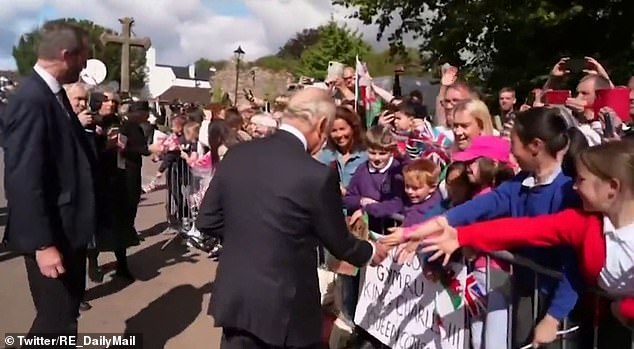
pixel 138 106
pixel 491 147
pixel 264 119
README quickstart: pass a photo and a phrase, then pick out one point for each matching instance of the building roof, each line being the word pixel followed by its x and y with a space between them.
pixel 187 94
pixel 183 72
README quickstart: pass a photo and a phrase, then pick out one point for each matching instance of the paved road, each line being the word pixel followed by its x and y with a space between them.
pixel 168 303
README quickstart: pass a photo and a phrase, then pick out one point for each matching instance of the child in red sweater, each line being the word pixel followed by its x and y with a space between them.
pixel 602 233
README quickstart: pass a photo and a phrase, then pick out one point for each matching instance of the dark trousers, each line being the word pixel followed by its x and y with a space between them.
pixel 523 322
pixel 57 300
pixel 239 339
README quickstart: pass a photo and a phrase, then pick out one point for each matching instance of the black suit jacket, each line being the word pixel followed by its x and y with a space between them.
pixel 272 204
pixel 49 169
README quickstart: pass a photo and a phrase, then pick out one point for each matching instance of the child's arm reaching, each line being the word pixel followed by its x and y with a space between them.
pixel 390 205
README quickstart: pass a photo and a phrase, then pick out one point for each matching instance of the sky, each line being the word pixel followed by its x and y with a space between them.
pixel 184 30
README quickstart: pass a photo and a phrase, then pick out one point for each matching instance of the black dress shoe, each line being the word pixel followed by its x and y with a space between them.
pixel 95 274
pixel 84 306
pixel 124 273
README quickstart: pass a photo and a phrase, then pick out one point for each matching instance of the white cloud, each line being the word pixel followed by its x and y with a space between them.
pixel 185 30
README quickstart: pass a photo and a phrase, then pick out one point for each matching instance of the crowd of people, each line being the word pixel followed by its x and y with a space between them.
pixel 559 170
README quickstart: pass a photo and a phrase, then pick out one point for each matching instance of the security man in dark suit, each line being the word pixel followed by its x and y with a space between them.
pixel 273 204
pixel 49 171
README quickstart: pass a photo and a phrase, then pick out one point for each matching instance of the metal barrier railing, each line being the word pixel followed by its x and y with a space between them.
pixel 185 189
pixel 515 260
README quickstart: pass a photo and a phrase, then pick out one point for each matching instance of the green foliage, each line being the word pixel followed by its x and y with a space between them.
pixel 383 63
pixel 25 53
pixel 336 43
pixel 203 64
pixel 216 94
pixel 276 63
pixel 296 45
pixel 503 42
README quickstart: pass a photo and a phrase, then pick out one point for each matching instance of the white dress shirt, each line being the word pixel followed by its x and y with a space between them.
pixel 617 275
pixel 52 83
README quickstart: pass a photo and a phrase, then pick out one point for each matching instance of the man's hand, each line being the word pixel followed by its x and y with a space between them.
pixel 576 104
pixel 596 68
pixel 545 331
pixel 559 70
pixel 49 260
pixel 449 76
pixel 85 118
pixel 380 253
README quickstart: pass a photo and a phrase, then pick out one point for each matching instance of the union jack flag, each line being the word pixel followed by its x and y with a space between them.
pixel 475 296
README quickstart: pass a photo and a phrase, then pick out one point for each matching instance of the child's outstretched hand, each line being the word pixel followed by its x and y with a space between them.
pixel 545 331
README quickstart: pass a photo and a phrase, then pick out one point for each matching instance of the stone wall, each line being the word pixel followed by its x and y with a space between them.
pixel 267 84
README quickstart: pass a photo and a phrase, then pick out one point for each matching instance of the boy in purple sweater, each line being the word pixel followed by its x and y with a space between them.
pixel 377 186
pixel 421 179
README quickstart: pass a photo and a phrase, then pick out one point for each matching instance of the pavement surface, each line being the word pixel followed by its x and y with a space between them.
pixel 168 303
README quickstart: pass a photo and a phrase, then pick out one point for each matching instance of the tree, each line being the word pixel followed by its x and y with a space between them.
pixel 276 63
pixel 383 63
pixel 505 43
pixel 203 64
pixel 294 47
pixel 336 43
pixel 25 53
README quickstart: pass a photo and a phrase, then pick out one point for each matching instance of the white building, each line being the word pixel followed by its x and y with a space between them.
pixel 166 83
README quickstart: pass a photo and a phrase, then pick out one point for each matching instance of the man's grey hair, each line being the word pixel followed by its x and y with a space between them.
pixel 312 109
pixel 75 85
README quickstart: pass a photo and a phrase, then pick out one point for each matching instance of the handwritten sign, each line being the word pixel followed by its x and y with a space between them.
pixel 400 307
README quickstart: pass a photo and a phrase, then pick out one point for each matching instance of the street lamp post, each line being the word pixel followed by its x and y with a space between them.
pixel 238 54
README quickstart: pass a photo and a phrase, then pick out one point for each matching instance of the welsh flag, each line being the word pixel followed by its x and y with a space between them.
pixel 450 298
pixel 364 95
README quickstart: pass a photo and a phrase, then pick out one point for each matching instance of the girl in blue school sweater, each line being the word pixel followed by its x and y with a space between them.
pixel 539 140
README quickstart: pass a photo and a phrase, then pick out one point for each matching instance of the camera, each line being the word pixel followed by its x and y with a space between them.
pixel 95 100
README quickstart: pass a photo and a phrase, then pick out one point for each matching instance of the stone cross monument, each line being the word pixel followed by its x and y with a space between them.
pixel 126 41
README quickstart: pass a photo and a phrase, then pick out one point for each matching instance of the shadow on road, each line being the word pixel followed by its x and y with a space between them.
pixel 145 265
pixel 169 315
pixel 153 230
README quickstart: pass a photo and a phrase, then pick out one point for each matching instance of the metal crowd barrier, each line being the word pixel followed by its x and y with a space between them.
pixel 515 260
pixel 178 211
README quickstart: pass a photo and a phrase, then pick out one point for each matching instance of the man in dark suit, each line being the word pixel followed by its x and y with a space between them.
pixel 272 204
pixel 49 168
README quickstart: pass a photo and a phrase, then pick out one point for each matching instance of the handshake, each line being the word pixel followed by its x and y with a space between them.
pixel 434 235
